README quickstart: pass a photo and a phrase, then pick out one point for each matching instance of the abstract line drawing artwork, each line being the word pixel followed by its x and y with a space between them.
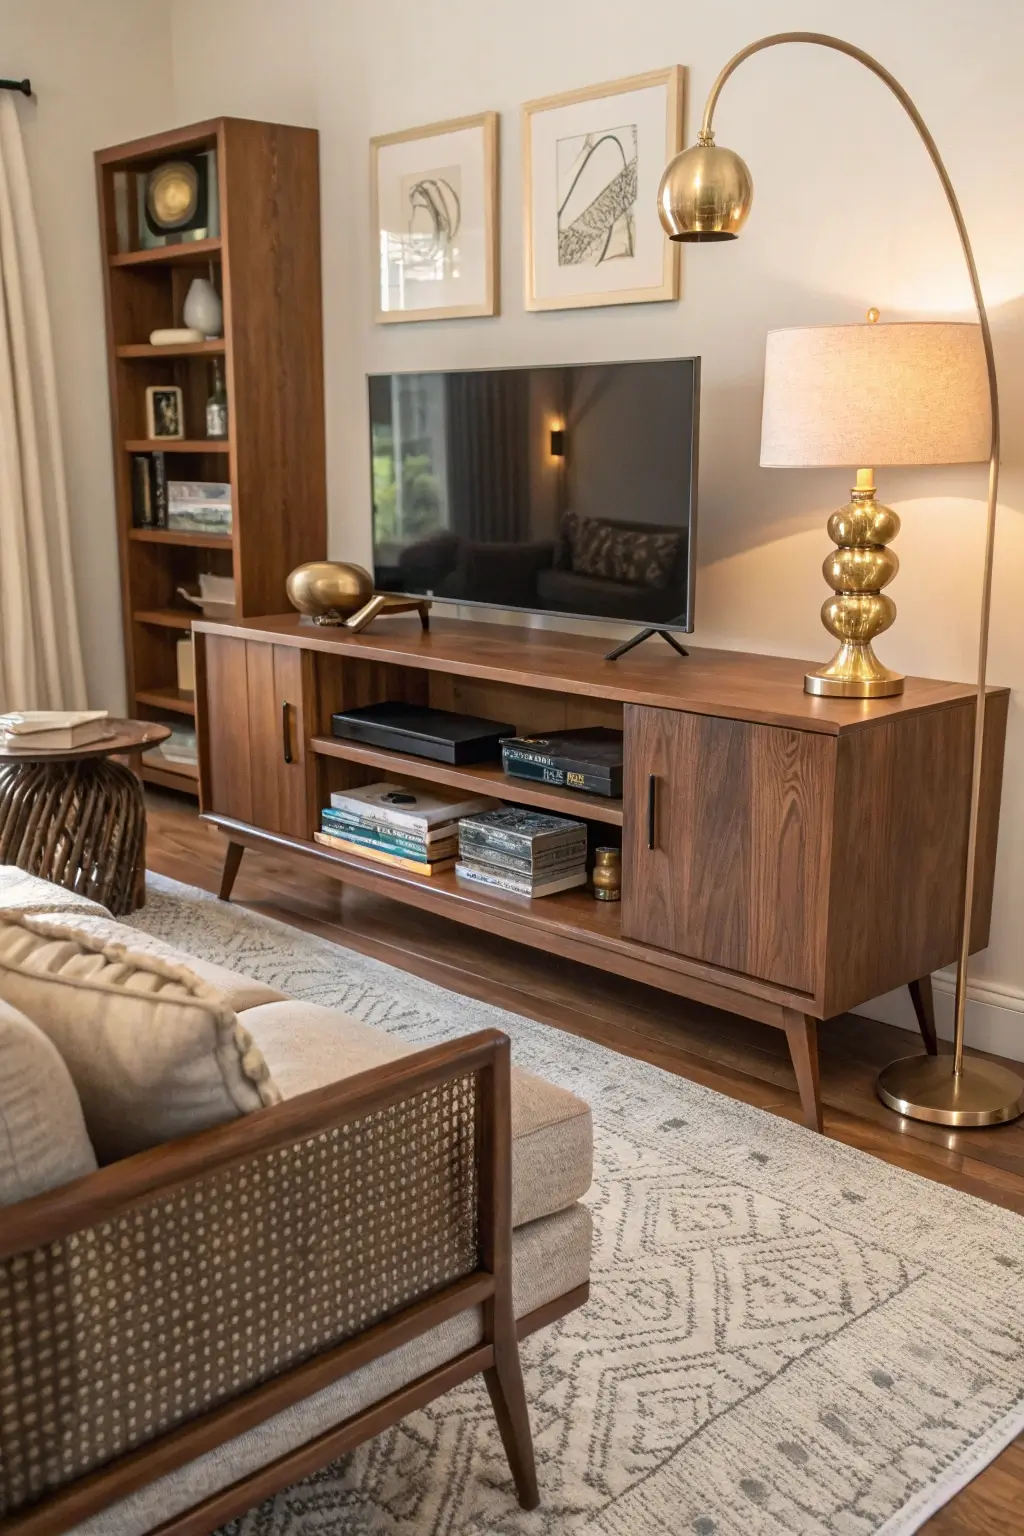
pixel 434 218
pixel 434 206
pixel 596 189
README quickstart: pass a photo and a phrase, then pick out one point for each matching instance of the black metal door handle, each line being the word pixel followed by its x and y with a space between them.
pixel 286 735
pixel 652 800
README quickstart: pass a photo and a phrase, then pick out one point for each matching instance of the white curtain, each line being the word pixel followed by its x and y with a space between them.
pixel 40 652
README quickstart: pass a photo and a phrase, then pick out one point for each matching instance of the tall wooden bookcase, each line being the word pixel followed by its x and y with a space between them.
pixel 265 263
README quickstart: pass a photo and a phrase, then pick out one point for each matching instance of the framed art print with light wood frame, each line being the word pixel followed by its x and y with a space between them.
pixel 434 193
pixel 592 162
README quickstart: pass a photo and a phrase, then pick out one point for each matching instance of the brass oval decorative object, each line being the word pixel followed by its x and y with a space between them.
pixel 607 876
pixel 328 591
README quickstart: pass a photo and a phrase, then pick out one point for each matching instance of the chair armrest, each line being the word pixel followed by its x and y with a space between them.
pixel 187 1293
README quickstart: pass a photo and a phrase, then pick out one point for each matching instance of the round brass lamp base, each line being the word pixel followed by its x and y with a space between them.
pixel 852 688
pixel 925 1088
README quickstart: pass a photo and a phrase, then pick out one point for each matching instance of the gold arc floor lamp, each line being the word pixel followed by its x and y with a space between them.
pixel 706 194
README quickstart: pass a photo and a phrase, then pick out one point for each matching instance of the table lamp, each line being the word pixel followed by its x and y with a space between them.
pixel 870 395
pixel 705 194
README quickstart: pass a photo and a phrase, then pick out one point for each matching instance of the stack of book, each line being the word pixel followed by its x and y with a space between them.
pixel 56 730
pixel 391 824
pixel 149 490
pixel 199 506
pixel 526 852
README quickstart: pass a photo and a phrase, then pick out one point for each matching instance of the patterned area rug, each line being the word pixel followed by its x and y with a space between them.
pixel 785 1335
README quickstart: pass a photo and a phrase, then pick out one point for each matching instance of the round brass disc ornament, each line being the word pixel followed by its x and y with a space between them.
pixel 327 591
pixel 172 194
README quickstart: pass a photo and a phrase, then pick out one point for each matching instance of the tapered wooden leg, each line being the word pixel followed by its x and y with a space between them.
pixel 232 859
pixel 508 1399
pixel 923 999
pixel 802 1034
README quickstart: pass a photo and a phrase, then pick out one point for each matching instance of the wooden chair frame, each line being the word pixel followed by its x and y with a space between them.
pixel 164 1171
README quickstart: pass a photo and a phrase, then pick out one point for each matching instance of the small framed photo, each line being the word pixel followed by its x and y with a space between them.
pixel 592 163
pixel 165 411
pixel 434 220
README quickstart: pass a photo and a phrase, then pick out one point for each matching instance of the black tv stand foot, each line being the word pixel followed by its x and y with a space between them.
pixel 645 634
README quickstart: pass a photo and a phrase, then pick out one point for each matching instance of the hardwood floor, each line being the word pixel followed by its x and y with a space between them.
pixel 722 1051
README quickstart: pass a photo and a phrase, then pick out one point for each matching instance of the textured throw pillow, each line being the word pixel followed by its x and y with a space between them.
pixel 631 555
pixel 566 541
pixel 154 1052
pixel 43 1140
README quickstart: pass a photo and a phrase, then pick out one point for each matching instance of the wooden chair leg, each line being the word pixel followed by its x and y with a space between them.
pixel 232 859
pixel 802 1034
pixel 923 999
pixel 508 1399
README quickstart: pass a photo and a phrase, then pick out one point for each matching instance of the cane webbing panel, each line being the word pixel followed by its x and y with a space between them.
pixel 142 1322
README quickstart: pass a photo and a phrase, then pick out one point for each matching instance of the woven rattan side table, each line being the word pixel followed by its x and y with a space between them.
pixel 76 818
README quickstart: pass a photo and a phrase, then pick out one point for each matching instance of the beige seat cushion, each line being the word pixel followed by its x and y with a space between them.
pixel 153 1052
pixel 306 1046
pixel 549 1258
pixel 43 1140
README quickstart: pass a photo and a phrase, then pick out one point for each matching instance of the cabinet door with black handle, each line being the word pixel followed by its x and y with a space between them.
pixel 725 842
pixel 252 711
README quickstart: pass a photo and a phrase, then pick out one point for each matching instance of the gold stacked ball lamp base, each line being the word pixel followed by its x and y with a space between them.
pixel 927 1088
pixel 857 570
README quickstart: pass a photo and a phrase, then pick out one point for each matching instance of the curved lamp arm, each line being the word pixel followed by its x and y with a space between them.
pixel 706 136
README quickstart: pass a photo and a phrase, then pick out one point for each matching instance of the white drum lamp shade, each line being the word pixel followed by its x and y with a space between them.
pixel 909 393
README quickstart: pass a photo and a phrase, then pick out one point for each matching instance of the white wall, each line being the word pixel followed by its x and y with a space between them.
pixel 101 72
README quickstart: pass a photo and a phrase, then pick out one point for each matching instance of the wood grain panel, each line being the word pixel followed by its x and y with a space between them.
pixel 222 710
pixel 275 694
pixel 736 873
pixel 900 841
pixel 530 710
pixel 271 228
pixel 731 685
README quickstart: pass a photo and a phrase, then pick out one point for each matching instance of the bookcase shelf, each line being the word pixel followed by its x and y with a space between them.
pixel 265 262
pixel 183 539
pixel 478 778
pixel 191 253
pixel 144 350
pixel 172 698
pixel 168 618
pixel 177 445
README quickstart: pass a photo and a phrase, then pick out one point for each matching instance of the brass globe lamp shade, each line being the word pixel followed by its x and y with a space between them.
pixel 705 194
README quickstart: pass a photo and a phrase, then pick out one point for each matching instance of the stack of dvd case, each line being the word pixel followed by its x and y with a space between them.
pixel 526 852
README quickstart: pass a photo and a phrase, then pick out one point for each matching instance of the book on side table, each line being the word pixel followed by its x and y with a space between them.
pixel 58 730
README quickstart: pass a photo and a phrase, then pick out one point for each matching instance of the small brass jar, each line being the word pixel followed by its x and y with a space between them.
pixel 607 876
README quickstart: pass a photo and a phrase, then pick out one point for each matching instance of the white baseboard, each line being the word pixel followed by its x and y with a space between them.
pixel 995 1014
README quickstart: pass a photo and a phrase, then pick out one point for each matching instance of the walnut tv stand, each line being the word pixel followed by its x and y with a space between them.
pixel 784 857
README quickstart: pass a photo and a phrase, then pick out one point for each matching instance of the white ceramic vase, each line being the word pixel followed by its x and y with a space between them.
pixel 203 309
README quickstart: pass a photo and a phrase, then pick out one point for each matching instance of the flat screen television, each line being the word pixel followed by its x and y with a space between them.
pixel 568 490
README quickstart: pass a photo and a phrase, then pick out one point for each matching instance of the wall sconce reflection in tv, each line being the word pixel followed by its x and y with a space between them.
pixel 558 442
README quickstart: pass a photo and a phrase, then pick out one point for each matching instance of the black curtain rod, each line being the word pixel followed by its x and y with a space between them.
pixel 24 86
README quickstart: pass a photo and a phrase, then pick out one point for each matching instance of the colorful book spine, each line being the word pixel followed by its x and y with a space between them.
pixel 380 856
pixel 143 511
pixel 408 847
pixel 158 483
pixel 571 778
